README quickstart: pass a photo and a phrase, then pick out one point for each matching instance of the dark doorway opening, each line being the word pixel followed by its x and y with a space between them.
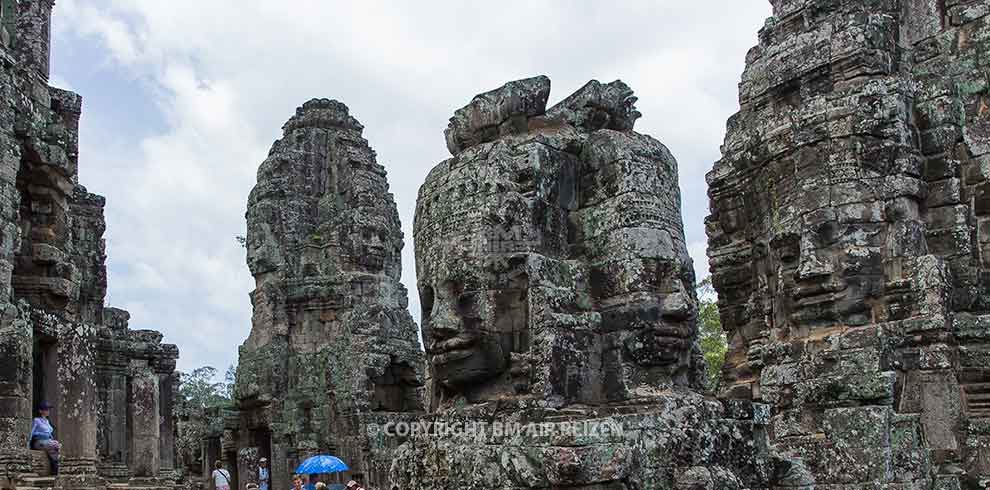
pixel 45 376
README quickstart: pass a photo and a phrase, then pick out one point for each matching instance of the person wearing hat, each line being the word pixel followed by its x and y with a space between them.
pixel 264 475
pixel 43 435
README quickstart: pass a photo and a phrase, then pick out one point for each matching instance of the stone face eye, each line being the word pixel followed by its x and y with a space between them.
pixel 426 303
pixel 466 304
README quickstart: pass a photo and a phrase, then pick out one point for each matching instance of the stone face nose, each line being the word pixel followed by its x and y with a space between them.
pixel 444 321
pixel 677 306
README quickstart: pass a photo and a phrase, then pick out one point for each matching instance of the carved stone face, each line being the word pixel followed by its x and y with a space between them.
pixel 664 330
pixel 368 242
pixel 461 348
pixel 586 209
pixel 262 250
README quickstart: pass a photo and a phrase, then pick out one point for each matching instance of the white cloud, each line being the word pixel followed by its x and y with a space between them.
pixel 224 75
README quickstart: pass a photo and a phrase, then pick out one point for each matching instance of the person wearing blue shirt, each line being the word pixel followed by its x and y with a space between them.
pixel 263 474
pixel 43 436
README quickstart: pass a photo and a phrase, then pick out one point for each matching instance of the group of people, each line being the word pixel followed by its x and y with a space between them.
pixel 221 479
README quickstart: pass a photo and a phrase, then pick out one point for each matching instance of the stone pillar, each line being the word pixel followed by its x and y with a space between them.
pixel 143 410
pixel 113 441
pixel 247 466
pixel 15 389
pixel 281 471
pixel 76 406
pixel 166 423
pixel 31 41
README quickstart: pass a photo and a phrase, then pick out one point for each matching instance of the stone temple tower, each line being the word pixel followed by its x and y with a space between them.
pixel 332 341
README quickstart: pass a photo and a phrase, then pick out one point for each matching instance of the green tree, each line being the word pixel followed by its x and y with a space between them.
pixel 197 397
pixel 712 338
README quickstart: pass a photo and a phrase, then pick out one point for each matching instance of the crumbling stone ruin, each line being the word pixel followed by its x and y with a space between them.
pixel 850 240
pixel 332 341
pixel 111 387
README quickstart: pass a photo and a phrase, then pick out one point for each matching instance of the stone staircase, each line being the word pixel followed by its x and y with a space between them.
pixel 976 387
pixel 35 482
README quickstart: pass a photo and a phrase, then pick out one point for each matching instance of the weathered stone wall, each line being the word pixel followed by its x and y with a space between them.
pixel 57 341
pixel 847 239
pixel 331 335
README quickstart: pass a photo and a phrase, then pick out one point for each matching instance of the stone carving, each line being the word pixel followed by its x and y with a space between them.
pixel 559 313
pixel 549 256
pixel 332 341
pixel 58 343
pixel 847 240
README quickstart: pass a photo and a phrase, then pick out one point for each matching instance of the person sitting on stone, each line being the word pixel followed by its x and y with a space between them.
pixel 43 436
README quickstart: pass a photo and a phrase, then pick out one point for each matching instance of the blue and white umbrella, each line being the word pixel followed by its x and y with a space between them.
pixel 321 463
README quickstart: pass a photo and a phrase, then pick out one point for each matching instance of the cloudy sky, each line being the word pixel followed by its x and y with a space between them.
pixel 182 99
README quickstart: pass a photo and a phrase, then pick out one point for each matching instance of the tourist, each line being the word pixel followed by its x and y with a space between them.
pixel 221 477
pixel 309 483
pixel 263 474
pixel 321 486
pixel 297 482
pixel 43 436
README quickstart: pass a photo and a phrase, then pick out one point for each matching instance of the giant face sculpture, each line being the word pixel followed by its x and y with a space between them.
pixel 472 277
pixel 550 252
pixel 461 347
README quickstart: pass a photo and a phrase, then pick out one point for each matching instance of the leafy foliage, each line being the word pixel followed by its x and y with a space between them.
pixel 714 343
pixel 199 405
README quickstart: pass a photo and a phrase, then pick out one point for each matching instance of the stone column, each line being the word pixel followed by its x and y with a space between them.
pixel 76 405
pixel 247 466
pixel 15 390
pixel 33 35
pixel 144 410
pixel 112 369
pixel 166 423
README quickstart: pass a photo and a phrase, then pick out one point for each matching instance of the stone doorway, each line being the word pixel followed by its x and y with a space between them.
pixel 45 376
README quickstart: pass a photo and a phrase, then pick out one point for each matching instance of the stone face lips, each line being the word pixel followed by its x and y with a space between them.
pixel 331 337
pixel 845 239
